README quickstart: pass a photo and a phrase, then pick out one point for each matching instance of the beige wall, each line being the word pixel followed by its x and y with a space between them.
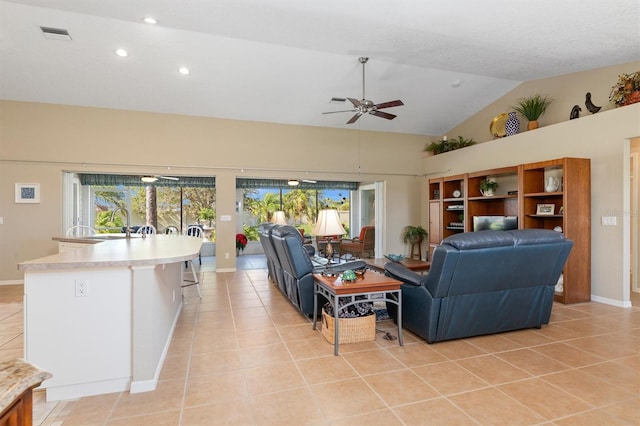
pixel 602 137
pixel 40 141
pixel 566 91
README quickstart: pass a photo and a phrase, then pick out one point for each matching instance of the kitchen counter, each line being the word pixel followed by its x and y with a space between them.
pixel 136 251
pixel 100 318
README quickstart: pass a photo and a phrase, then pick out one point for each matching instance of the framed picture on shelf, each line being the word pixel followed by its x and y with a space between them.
pixel 27 193
pixel 545 209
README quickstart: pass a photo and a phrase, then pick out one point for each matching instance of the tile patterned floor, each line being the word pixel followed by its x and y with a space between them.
pixel 242 355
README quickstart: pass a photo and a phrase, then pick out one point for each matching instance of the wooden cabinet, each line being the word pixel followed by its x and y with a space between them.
pixel 553 194
pixel 19 413
pixel 435 221
pixel 556 195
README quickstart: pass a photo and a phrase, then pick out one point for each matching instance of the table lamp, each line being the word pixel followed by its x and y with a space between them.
pixel 278 218
pixel 328 224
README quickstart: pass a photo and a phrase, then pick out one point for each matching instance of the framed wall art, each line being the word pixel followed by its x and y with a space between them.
pixel 27 193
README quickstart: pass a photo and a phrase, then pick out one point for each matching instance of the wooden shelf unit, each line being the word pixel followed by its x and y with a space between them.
pixel 453 208
pixel 502 203
pixel 574 197
pixel 520 190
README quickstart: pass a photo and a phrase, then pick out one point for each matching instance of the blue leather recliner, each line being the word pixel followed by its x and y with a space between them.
pixel 482 283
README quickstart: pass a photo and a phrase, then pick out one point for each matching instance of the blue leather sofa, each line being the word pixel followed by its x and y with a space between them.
pixel 482 283
pixel 290 265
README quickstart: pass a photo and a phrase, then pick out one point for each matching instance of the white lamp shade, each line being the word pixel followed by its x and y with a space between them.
pixel 328 224
pixel 278 218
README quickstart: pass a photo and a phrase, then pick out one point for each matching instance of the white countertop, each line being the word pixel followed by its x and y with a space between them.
pixel 153 250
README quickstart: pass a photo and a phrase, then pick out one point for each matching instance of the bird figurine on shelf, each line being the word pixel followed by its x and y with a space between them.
pixel 590 106
pixel 575 112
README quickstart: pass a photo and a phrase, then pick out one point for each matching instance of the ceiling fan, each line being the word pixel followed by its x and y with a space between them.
pixel 153 178
pixel 296 182
pixel 365 106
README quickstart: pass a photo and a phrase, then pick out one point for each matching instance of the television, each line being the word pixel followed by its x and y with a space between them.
pixel 496 223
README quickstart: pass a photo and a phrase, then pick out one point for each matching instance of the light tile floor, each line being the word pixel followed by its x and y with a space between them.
pixel 244 356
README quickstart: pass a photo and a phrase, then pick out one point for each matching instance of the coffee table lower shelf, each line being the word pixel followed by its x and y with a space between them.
pixel 372 287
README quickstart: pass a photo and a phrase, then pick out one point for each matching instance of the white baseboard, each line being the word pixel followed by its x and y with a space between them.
pixel 11 282
pixel 612 302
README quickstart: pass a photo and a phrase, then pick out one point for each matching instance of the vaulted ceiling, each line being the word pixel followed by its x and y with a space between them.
pixel 283 60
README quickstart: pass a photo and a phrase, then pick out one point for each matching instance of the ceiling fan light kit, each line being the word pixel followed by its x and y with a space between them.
pixel 366 106
pixel 154 178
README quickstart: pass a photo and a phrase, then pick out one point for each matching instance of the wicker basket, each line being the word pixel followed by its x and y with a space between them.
pixel 352 330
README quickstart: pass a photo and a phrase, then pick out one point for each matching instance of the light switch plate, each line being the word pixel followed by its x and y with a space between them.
pixel 225 218
pixel 609 221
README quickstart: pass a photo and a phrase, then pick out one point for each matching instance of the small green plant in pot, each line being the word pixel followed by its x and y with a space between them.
pixel 488 187
pixel 414 234
pixel 532 107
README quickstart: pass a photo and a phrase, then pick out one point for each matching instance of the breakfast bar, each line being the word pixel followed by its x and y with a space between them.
pixel 101 318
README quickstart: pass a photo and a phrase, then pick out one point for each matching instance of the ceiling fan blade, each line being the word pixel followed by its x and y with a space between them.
pixel 383 115
pixel 344 110
pixel 389 104
pixel 354 118
pixel 356 103
pixel 309 181
pixel 168 177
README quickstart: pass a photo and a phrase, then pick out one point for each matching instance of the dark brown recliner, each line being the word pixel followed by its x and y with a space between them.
pixel 362 246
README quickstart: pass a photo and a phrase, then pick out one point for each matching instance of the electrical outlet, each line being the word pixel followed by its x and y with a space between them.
pixel 82 288
pixel 226 255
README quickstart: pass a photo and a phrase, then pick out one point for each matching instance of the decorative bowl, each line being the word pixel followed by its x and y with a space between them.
pixel 395 257
pixel 348 275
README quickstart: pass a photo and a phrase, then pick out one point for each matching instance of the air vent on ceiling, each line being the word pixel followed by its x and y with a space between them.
pixel 55 33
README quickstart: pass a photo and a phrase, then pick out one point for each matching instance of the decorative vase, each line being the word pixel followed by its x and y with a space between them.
pixel 533 124
pixel 512 125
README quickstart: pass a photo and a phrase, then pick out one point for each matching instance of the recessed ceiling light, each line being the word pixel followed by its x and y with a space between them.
pixel 122 53
pixel 184 70
pixel 150 20
pixel 456 83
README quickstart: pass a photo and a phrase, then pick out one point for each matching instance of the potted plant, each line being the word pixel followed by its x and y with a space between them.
pixel 488 186
pixel 531 108
pixel 414 234
pixel 626 91
pixel 445 145
pixel 241 243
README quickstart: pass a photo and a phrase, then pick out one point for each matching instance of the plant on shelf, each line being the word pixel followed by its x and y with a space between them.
pixel 532 107
pixel 446 145
pixel 414 234
pixel 488 186
pixel 626 91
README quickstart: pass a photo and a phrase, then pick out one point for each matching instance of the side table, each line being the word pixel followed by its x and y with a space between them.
pixel 372 286
pixel 416 265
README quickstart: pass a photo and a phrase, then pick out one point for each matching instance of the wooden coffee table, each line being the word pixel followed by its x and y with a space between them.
pixel 416 265
pixel 373 286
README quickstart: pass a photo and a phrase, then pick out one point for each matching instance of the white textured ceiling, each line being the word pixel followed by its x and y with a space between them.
pixel 282 60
